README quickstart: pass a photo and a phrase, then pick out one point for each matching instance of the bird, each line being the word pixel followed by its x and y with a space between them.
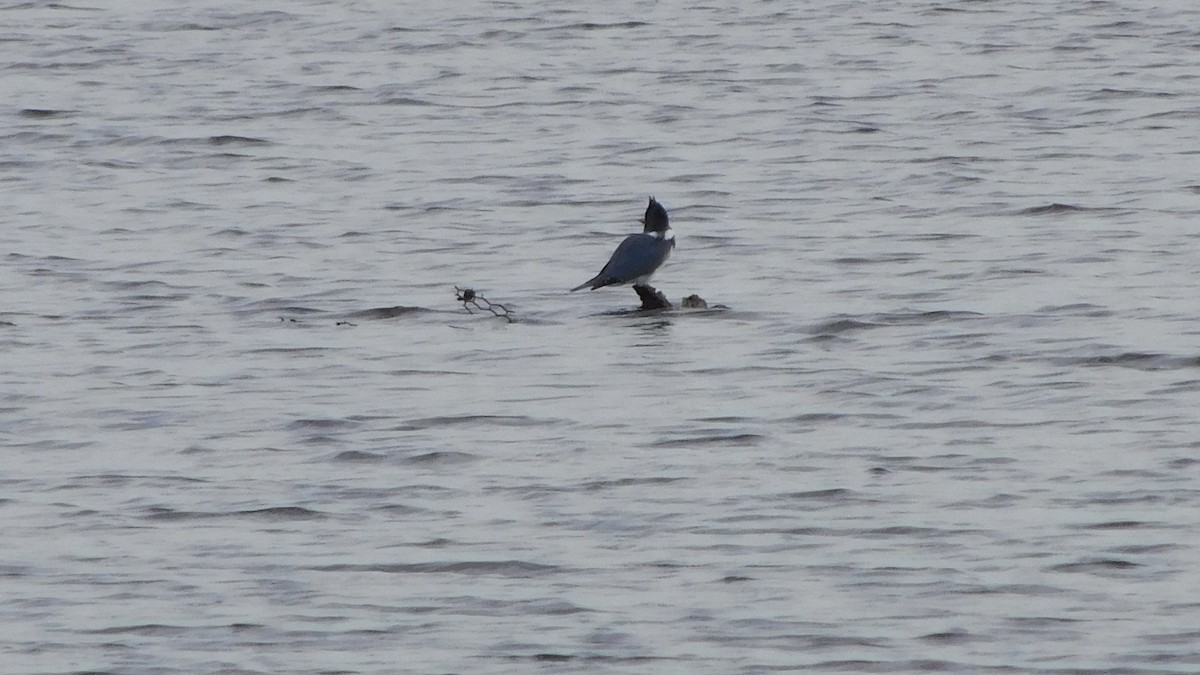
pixel 639 255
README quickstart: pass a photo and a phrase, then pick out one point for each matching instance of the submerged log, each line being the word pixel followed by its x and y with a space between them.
pixel 652 298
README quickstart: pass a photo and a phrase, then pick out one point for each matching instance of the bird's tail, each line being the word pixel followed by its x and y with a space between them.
pixel 594 282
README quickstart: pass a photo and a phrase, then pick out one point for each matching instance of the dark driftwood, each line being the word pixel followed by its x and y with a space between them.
pixel 652 298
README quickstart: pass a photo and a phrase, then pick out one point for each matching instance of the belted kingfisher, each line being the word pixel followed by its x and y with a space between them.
pixel 637 258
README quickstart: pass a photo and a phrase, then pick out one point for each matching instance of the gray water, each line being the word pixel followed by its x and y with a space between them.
pixel 946 422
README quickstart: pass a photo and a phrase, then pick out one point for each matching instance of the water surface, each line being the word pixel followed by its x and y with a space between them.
pixel 947 422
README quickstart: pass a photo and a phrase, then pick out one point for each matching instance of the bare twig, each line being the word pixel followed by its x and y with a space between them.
pixel 469 298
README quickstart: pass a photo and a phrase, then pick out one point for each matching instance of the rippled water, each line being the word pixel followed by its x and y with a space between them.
pixel 947 421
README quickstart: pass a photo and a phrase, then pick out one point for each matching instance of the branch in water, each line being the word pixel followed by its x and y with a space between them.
pixel 652 298
pixel 469 298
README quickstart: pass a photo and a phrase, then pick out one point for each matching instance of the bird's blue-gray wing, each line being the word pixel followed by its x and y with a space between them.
pixel 638 255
